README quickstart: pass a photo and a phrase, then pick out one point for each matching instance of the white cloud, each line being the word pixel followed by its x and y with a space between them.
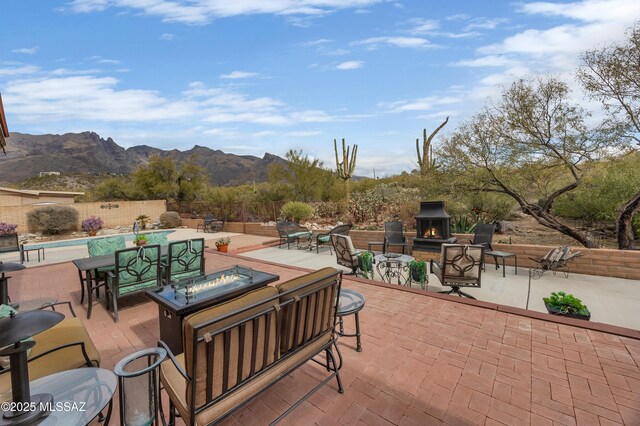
pixel 20 70
pixel 485 23
pixel 420 104
pixel 404 42
pixel 350 65
pixel 167 36
pixel 27 50
pixel 486 61
pixel 238 74
pixel 621 11
pixel 423 26
pixel 202 12
pixel 98 99
pixel 304 134
pixel 101 60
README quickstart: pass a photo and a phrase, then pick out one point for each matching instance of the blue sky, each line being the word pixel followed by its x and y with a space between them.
pixel 256 76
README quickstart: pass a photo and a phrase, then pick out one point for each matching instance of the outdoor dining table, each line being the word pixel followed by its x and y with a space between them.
pixel 89 266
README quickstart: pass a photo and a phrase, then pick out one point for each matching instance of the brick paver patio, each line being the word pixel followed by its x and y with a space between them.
pixel 425 360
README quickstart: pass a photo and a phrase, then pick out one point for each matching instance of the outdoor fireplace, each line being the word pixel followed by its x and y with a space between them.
pixel 433 227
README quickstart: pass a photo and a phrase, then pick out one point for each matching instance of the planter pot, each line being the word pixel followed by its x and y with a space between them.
pixel 92 233
pixel 223 248
pixel 555 311
pixel 141 243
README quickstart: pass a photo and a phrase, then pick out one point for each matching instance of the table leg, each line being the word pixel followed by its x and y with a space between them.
pixel 503 271
pixel 82 284
pixel 89 292
pixel 4 291
pixel 515 260
pixel 359 347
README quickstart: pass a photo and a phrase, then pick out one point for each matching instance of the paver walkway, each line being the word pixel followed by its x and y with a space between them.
pixel 425 361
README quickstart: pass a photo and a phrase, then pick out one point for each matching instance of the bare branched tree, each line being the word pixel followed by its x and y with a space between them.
pixel 612 76
pixel 532 145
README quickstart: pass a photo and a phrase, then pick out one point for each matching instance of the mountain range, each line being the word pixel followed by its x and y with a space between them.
pixel 87 152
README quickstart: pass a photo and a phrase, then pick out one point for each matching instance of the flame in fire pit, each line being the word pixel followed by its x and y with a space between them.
pixel 221 280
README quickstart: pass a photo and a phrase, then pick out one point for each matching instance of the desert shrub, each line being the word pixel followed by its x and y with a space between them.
pixel 170 219
pixel 297 211
pixel 327 209
pixel 52 219
pixel 366 206
pixel 7 228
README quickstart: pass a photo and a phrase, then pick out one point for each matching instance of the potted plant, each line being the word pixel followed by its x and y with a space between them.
pixel 142 220
pixel 365 263
pixel 140 240
pixel 418 270
pixel 7 228
pixel 566 305
pixel 92 225
pixel 222 244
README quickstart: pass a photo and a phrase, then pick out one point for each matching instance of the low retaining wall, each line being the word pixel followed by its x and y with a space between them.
pixel 602 262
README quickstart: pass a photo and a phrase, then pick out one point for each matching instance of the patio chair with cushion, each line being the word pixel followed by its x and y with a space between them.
pixel 394 236
pixel 65 346
pixel 137 269
pixel 292 231
pixel 346 254
pixel 459 266
pixel 324 238
pixel 185 260
pixel 102 247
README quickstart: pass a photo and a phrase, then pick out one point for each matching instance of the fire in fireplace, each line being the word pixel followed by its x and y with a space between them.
pixel 433 227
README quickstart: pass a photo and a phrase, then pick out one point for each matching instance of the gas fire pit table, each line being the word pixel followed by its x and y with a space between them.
pixel 195 294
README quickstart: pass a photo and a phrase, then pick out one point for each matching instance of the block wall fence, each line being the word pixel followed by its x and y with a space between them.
pixel 123 215
pixel 602 262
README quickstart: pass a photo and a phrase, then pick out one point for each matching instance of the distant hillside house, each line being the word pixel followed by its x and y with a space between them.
pixel 22 197
pixel 49 174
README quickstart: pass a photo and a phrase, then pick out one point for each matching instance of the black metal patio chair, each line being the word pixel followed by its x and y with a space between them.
pixel 292 232
pixel 394 236
pixel 459 266
pixel 325 238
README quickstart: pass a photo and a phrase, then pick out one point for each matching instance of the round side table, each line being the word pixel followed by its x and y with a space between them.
pixel 350 302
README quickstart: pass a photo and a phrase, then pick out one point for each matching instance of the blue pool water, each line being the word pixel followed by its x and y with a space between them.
pixel 83 241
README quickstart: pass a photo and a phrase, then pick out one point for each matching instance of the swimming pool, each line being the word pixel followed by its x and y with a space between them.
pixel 83 241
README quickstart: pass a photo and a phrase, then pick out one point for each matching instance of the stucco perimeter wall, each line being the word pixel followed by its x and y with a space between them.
pixel 123 215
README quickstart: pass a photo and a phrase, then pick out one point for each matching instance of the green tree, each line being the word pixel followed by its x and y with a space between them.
pixel 158 179
pixel 612 76
pixel 532 146
pixel 161 178
pixel 304 178
pixel 113 188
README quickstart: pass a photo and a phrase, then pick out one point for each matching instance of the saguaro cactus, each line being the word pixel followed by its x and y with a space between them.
pixel 425 159
pixel 345 167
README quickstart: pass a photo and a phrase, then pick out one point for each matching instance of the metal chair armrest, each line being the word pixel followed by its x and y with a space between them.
pixel 174 360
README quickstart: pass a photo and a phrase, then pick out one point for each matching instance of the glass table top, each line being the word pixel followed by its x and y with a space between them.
pixel 350 301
